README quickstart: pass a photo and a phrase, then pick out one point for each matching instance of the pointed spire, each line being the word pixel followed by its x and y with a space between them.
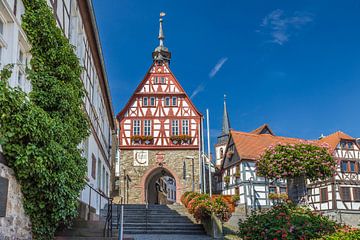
pixel 161 53
pixel 161 31
pixel 226 121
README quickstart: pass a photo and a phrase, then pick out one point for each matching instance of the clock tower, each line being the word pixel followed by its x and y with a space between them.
pixel 159 135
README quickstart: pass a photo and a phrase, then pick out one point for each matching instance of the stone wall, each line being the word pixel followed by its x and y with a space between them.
pixel 172 161
pixel 15 225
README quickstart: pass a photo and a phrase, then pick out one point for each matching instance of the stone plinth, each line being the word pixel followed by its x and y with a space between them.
pixel 15 225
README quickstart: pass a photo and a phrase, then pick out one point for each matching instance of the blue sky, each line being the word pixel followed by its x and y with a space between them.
pixel 292 64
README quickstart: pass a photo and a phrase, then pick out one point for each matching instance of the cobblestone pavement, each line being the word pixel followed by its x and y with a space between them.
pixel 170 237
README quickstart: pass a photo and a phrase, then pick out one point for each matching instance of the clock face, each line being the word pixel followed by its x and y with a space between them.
pixel 140 157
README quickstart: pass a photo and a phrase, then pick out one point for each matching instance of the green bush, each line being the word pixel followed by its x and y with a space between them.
pixel 41 132
pixel 343 235
pixel 285 221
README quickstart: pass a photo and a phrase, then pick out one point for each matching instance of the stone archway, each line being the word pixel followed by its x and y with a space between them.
pixel 148 184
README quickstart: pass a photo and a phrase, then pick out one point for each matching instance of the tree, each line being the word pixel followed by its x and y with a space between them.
pixel 297 163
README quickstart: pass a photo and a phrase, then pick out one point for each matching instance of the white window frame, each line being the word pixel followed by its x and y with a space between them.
pixel 167 101
pixel 147 127
pixel 175 127
pixel 185 127
pixel 152 101
pixel 174 101
pixel 136 127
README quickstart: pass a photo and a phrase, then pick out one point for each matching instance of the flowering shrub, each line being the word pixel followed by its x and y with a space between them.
pixel 286 221
pixel 189 197
pixel 278 196
pixel 294 160
pixel 201 206
pixel 193 203
pixel 344 233
pixel 221 209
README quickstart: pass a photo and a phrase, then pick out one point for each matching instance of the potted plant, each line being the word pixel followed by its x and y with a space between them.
pixel 181 139
pixel 148 139
pixel 236 199
pixel 136 139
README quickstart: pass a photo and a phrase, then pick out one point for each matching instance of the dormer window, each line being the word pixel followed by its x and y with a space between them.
pixel 145 101
pixel 346 145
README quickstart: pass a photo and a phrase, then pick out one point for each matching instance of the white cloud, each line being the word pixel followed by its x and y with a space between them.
pixel 217 67
pixel 198 89
pixel 280 27
pixel 213 72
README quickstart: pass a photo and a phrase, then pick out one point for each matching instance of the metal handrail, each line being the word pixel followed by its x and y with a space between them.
pixel 108 220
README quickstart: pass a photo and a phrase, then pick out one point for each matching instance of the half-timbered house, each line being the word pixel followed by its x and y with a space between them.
pixel 159 133
pixel 239 171
pixel 339 196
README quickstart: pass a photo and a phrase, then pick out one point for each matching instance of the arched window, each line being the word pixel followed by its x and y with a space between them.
pixel 221 152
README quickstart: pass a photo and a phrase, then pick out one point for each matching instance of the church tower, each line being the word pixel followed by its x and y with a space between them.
pixel 159 136
pixel 222 140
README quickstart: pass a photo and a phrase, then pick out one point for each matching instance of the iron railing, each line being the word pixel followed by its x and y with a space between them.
pixel 107 203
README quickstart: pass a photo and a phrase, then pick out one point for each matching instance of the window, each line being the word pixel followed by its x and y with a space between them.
pixel 174 101
pixel 167 101
pixel 93 166
pixel 136 127
pixel 323 195
pixel 282 189
pixel 345 193
pixel 175 127
pixel 107 184
pixel 356 194
pixel 272 189
pixel 221 152
pixel 145 101
pixel 156 80
pixel 344 166
pixel 147 127
pixel 352 166
pixel 20 79
pixel 349 166
pixel 103 179
pixel 152 101
pixel 1 27
pixel 162 80
pixel 98 174
pixel 185 127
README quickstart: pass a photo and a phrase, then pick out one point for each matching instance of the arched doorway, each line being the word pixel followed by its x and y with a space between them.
pixel 160 187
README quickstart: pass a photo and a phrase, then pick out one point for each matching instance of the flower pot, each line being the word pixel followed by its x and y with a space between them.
pixel 147 142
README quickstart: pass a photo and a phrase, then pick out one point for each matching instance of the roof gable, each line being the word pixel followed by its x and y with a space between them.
pixel 335 138
pixel 263 129
pixel 167 84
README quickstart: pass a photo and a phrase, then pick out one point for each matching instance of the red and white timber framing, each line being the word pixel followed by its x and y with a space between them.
pixel 170 103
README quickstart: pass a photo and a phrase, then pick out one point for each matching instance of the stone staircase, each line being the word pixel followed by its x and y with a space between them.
pixel 157 219
pixel 138 219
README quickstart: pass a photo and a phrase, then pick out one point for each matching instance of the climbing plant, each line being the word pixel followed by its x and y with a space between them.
pixel 41 132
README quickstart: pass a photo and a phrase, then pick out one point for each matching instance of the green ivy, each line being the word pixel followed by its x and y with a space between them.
pixel 41 132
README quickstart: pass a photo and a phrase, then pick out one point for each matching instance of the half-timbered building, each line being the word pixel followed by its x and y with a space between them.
pixel 76 19
pixel 239 171
pixel 339 196
pixel 159 133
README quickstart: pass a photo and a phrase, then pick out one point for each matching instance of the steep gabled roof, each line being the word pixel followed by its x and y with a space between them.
pixel 252 145
pixel 263 129
pixel 334 139
pixel 142 83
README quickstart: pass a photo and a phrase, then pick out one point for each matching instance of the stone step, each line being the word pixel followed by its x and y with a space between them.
pixel 173 232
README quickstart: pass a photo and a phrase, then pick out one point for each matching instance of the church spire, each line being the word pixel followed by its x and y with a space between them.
pixel 161 53
pixel 226 121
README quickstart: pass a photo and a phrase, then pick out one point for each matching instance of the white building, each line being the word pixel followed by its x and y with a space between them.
pixel 77 20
